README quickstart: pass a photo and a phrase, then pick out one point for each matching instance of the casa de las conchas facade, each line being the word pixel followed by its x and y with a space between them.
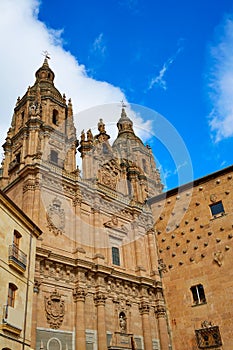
pixel 112 269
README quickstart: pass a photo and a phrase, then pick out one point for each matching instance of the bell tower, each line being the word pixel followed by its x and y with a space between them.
pixel 141 164
pixel 42 134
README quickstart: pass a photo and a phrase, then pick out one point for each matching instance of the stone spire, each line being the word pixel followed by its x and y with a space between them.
pixel 126 135
pixel 124 125
pixel 45 73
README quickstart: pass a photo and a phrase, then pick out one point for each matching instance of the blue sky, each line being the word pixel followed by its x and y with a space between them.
pixel 173 57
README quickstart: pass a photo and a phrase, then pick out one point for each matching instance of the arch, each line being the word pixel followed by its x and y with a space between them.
pixel 55 117
pixel 54 344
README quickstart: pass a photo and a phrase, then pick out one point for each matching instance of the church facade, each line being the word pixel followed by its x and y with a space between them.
pixel 97 283
pixel 119 263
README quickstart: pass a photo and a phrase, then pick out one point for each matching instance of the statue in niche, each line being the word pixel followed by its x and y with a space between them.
pixel 122 322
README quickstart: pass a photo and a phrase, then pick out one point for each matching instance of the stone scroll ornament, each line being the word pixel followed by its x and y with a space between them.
pixel 55 310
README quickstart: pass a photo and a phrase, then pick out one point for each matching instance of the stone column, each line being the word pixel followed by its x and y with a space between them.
pixel 101 327
pixel 152 251
pixel 160 312
pixel 144 311
pixel 36 290
pixel 79 298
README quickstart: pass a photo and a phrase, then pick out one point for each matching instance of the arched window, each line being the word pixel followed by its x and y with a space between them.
pixel 11 294
pixel 55 117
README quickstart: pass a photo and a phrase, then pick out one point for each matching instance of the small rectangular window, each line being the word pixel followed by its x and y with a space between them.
pixel 54 157
pixel 115 256
pixel 11 295
pixel 17 157
pixel 16 238
pixel 217 208
pixel 198 294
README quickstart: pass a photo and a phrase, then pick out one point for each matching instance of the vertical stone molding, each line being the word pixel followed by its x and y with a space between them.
pixel 152 250
pixel 79 295
pixel 99 299
pixel 36 290
pixel 144 309
pixel 160 312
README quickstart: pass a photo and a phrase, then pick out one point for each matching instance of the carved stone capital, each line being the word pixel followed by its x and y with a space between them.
pixel 76 200
pixel 79 294
pixel 99 299
pixel 160 311
pixel 144 308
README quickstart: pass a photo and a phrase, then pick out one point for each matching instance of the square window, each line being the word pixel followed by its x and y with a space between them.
pixel 217 208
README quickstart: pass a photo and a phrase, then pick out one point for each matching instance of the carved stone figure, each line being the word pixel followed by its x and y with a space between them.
pixel 122 322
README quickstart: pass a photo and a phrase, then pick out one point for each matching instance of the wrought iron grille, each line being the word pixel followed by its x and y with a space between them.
pixel 208 338
pixel 16 255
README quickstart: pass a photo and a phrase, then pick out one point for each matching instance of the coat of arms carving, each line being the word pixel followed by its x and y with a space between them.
pixel 55 310
pixel 56 217
pixel 109 174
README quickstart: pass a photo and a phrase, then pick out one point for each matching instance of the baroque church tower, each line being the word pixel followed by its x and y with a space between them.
pixel 97 277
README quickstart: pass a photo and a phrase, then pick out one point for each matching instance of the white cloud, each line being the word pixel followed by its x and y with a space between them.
pixel 159 78
pixel 98 46
pixel 221 82
pixel 22 40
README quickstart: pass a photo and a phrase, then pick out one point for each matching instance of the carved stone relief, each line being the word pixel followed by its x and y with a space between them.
pixel 55 310
pixel 56 217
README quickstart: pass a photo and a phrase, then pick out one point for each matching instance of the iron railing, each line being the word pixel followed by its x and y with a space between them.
pixel 17 256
